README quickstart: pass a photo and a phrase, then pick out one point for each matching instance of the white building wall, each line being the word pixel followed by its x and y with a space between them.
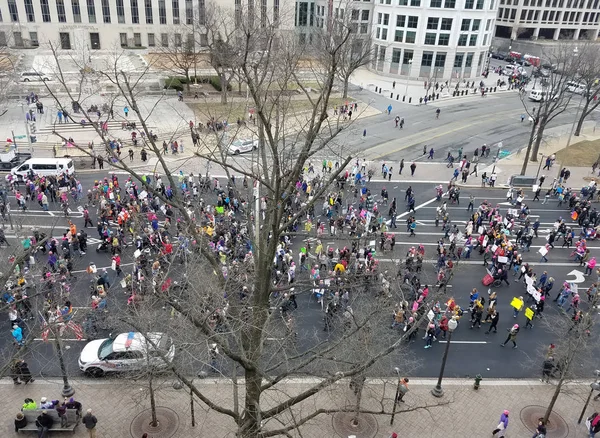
pixel 109 33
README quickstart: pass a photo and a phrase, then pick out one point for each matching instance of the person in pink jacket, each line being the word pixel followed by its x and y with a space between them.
pixel 589 267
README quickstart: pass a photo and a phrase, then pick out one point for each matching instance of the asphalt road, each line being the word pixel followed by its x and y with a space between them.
pixel 472 351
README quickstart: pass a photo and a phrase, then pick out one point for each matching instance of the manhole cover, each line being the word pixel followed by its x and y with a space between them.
pixel 367 426
pixel 168 423
pixel 557 427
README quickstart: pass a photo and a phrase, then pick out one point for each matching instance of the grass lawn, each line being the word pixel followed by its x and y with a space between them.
pixel 237 109
pixel 582 154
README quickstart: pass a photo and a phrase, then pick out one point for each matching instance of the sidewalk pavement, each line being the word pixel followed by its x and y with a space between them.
pixel 368 79
pixel 461 412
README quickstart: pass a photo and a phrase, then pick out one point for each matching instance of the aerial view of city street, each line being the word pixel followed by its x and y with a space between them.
pixel 299 219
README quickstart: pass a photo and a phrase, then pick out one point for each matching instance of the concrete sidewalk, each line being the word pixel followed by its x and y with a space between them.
pixel 462 412
pixel 413 89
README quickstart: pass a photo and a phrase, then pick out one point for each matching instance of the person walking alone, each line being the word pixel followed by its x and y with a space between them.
pixel 502 425
pixel 90 421
pixel 512 336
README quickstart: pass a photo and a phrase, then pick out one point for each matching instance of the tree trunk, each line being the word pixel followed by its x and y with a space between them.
pixel 528 151
pixel 251 420
pixel 553 401
pixel 154 422
pixel 538 141
pixel 346 82
pixel 223 88
pixel 582 117
pixel 359 389
pixel 187 81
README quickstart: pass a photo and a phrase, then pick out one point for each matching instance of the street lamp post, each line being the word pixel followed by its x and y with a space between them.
pixel 540 166
pixel 438 391
pixel 397 395
pixel 408 76
pixel 67 390
pixel 595 386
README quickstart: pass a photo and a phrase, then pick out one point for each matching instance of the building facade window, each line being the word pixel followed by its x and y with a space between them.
pixel 13 11
pixel 400 20
pixel 177 40
pixel 413 21
pixel 444 39
pixel 466 24
pixel 410 37
pixel 458 59
pixel 238 13
pixel 450 4
pixel 175 7
pixel 148 10
pixel 137 39
pixel 189 12
pixel 430 39
pixel 435 3
pixel 123 39
pixel 29 12
pixel 18 37
pixel 60 11
pixel 469 4
pixel 135 12
pixel 91 8
pixel 106 11
pixel 162 12
pixel 45 11
pixel 33 39
pixel 469 60
pixel 65 40
pixel 276 13
pixel 473 40
pixel 121 11
pixel 432 23
pixel 399 36
pixel 462 39
pixel 3 39
pixel 164 39
pixel 151 40
pixel 440 60
pixel 76 11
pixel 476 25
pixel 95 40
pixel 446 24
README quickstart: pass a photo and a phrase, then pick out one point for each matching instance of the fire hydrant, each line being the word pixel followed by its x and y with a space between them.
pixel 478 380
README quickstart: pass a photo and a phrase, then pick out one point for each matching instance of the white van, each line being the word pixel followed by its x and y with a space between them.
pixel 576 87
pixel 44 167
pixel 539 95
pixel 28 76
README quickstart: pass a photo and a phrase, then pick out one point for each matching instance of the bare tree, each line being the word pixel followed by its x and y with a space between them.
pixel 229 307
pixel 357 49
pixel 179 55
pixel 554 101
pixel 587 76
pixel 222 43
pixel 574 347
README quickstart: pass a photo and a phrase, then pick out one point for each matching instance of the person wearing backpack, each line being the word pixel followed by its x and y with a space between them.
pixel 594 424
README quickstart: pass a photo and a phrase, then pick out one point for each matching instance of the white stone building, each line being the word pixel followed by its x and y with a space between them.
pixel 104 24
pixel 427 39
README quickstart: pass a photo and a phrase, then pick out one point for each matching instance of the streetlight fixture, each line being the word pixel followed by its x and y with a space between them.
pixel 595 386
pixel 397 395
pixel 410 61
pixel 438 391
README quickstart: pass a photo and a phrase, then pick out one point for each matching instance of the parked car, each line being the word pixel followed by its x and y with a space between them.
pixel 126 352
pixel 541 73
pixel 243 145
pixel 499 55
pixel 29 76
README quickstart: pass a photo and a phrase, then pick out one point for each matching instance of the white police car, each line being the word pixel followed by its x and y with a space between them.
pixel 126 352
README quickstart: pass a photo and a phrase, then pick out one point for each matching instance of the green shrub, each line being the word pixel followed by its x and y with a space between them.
pixel 174 84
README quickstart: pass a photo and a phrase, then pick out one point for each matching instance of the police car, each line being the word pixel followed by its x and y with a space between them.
pixel 126 352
